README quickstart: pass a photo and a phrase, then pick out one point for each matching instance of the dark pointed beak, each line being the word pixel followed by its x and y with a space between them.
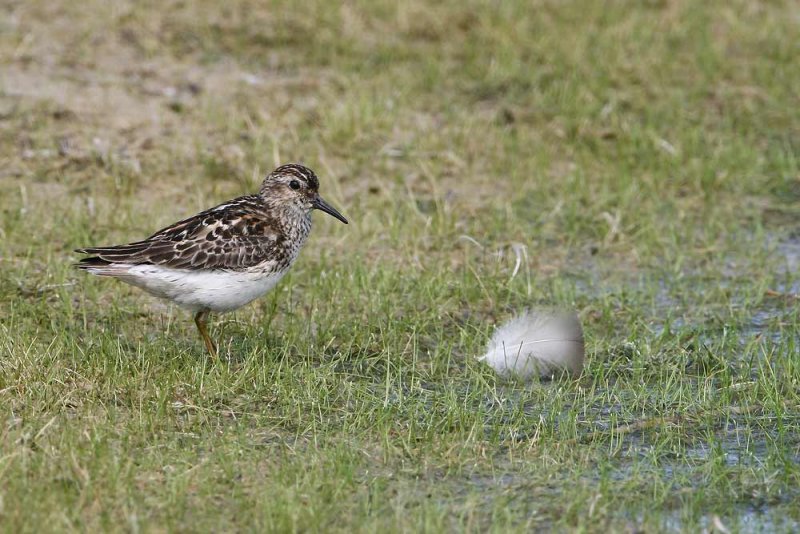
pixel 327 208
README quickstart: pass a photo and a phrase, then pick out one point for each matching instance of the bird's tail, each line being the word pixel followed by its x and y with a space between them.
pixel 110 261
pixel 99 266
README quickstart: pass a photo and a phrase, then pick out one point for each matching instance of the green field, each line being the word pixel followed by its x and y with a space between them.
pixel 638 162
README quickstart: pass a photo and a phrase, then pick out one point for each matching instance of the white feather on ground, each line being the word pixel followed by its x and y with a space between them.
pixel 537 343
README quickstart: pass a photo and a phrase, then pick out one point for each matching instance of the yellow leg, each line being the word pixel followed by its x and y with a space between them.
pixel 200 320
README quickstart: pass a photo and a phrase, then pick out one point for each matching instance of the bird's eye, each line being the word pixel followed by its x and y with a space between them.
pixel 294 184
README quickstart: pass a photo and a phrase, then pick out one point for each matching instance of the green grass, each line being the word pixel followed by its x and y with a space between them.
pixel 645 154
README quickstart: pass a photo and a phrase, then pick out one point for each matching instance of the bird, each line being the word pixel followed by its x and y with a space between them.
pixel 540 343
pixel 224 257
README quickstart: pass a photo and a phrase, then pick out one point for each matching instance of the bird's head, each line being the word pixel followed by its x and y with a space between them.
pixel 295 187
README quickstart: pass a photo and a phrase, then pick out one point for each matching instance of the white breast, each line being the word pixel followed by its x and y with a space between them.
pixel 217 291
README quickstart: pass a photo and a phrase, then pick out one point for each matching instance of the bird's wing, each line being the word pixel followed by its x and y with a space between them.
pixel 232 236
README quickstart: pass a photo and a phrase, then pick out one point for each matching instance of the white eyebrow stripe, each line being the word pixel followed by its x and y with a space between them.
pixel 303 171
pixel 297 170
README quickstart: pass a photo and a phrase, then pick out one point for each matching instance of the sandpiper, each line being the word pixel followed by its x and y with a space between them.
pixel 224 257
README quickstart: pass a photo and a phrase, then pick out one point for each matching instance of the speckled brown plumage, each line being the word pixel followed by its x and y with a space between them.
pixel 223 257
pixel 238 235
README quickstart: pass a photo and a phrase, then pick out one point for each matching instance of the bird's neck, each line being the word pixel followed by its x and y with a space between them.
pixel 295 223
